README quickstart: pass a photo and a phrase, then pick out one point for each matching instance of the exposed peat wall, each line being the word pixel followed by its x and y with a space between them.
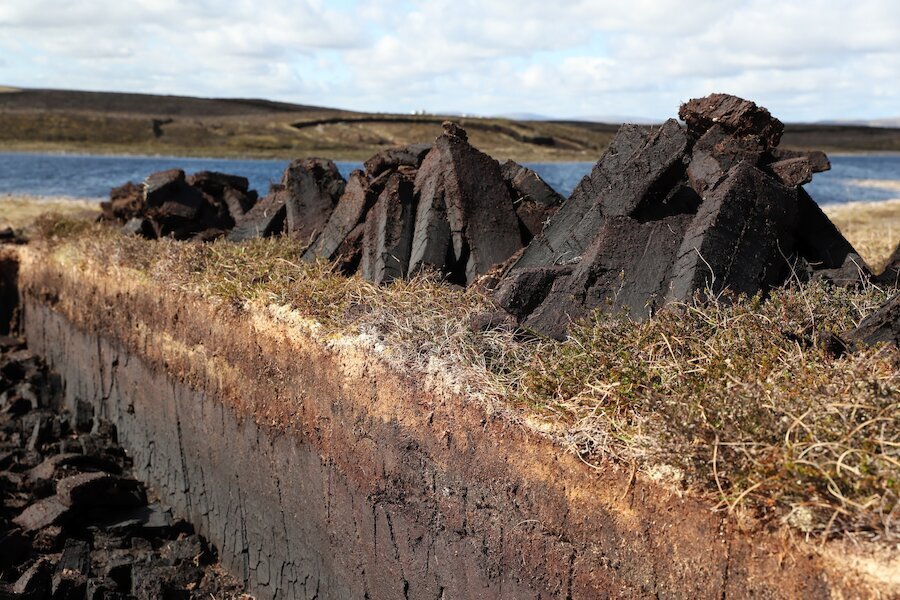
pixel 319 470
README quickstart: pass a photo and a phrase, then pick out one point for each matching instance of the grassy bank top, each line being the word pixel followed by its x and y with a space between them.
pixel 111 123
pixel 738 401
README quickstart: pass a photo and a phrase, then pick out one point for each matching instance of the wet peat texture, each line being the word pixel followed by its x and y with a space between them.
pixel 73 522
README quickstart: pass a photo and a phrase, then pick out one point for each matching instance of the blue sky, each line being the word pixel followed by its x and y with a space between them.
pixel 806 60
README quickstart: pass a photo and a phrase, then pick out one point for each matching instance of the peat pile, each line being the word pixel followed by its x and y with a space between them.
pixel 710 205
pixel 73 524
pixel 713 204
pixel 444 206
pixel 168 204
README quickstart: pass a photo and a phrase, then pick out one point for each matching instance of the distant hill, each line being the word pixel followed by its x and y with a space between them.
pixel 147 104
pixel 524 116
pixel 887 122
pixel 842 138
pixel 120 123
pixel 125 123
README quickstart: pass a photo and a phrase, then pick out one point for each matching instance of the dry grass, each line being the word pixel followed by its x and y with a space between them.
pixel 872 227
pixel 20 212
pixel 737 400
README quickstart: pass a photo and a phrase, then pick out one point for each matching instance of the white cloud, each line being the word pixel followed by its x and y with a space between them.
pixel 805 59
pixel 240 48
pixel 654 54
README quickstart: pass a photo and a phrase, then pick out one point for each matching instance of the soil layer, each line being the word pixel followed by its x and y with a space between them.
pixel 318 469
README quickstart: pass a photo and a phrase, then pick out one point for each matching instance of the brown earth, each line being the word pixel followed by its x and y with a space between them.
pixel 319 465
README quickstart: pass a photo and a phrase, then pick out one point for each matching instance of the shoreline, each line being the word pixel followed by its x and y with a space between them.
pixel 101 154
pixel 38 199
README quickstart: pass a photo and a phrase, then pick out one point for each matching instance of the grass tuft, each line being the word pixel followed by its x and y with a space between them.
pixel 741 400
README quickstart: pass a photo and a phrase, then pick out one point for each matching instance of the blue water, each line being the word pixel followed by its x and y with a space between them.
pixel 843 183
pixel 85 176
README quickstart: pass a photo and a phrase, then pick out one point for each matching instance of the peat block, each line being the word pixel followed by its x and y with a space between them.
pixel 881 326
pixel 312 187
pixel 671 211
pixel 534 200
pixel 351 210
pixel 388 232
pixel 467 222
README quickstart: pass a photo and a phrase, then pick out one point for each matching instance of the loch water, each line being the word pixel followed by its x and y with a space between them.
pixel 852 177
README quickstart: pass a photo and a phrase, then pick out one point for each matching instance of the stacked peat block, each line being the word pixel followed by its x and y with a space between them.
pixel 203 206
pixel 374 209
pixel 445 207
pixel 671 211
pixel 125 203
pixel 299 206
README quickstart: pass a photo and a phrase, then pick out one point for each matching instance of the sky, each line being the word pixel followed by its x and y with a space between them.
pixel 805 60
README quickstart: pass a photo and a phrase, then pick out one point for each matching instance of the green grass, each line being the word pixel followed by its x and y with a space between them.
pixel 737 400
